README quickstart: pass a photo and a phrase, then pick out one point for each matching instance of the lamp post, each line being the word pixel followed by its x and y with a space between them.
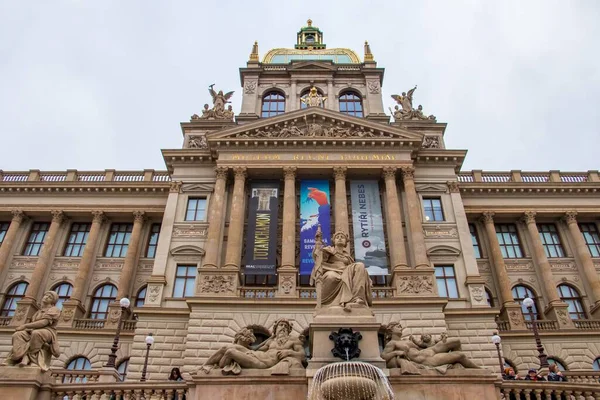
pixel 149 342
pixel 496 339
pixel 528 302
pixel 112 358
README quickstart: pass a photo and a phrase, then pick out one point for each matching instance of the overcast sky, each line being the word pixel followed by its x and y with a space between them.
pixel 104 84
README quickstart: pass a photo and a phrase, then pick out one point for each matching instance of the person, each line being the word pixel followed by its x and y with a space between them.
pixel 36 342
pixel 510 375
pixel 175 375
pixel 532 375
pixel 555 375
pixel 343 282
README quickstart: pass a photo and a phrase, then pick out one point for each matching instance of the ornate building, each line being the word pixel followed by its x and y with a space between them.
pixel 222 239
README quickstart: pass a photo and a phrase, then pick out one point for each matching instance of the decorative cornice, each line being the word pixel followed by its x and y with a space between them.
pixel 453 186
pixel 221 172
pixel 570 217
pixel 529 217
pixel 289 173
pixel 488 217
pixel 339 173
pixel 389 173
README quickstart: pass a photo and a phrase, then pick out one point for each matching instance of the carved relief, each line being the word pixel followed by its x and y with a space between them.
pixel 563 318
pixel 515 318
pixel 488 217
pixel 483 266
pixel 287 284
pixel 439 232
pixel 189 231
pixel 570 217
pixel 453 187
pixel 310 130
pixel 198 142
pixel 374 87
pixel 109 265
pixel 289 172
pixel 23 264
pixel 175 187
pixel 431 142
pixel 389 173
pixel 250 87
pixel 408 173
pixel 339 173
pixel 20 312
pixel 18 215
pixel 477 293
pixel 153 293
pixel 217 284
pixel 563 266
pixel 67 314
pixel 518 265
pixel 114 315
pixel 529 217
pixel 418 284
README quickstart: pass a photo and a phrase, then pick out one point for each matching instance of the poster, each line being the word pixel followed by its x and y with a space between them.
pixel 367 223
pixel 261 235
pixel 315 210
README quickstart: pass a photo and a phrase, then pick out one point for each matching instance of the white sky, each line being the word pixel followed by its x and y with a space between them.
pixel 104 84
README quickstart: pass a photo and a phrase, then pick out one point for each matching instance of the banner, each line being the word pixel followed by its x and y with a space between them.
pixel 367 221
pixel 314 211
pixel 261 236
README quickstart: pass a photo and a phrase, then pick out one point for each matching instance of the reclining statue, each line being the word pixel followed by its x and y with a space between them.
pixel 35 343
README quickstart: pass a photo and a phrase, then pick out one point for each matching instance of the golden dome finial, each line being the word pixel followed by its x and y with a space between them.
pixel 309 22
pixel 254 54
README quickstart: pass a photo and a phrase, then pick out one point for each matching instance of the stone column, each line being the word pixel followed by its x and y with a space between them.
pixel 28 306
pixel 414 216
pixel 585 260
pixel 555 308
pixel 215 220
pixel 233 255
pixel 394 220
pixel 341 202
pixel 130 263
pixel 292 100
pixel 331 102
pixel 9 238
pixel 511 311
pixel 287 272
pixel 73 308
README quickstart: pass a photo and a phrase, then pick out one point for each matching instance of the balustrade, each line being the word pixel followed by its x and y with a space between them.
pixel 527 390
pixel 75 376
pixel 155 390
pixel 5 321
pixel 92 324
pixel 258 293
pixel 85 176
pixel 527 177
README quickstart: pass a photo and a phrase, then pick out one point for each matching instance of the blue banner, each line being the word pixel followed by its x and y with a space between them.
pixel 315 210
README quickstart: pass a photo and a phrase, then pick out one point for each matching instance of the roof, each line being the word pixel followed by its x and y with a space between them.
pixel 337 56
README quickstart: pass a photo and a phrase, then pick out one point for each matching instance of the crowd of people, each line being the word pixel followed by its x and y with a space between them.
pixel 554 375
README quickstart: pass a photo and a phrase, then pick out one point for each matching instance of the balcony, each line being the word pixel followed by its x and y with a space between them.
pixel 544 325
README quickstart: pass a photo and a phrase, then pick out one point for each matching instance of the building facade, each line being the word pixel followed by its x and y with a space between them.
pixel 449 250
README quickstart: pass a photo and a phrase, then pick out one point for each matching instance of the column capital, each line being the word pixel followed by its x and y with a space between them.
pixel 408 173
pixel 175 187
pixel 221 172
pixel 240 173
pixel 570 217
pixel 58 216
pixel 98 216
pixel 289 172
pixel 529 217
pixel 339 173
pixel 139 216
pixel 389 173
pixel 453 186
pixel 18 215
pixel 487 217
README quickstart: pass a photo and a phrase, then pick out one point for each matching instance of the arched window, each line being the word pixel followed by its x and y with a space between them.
pixel 122 369
pixel 510 364
pixel 521 292
pixel 560 365
pixel 102 298
pixel 305 94
pixel 260 333
pixel 571 296
pixel 140 298
pixel 273 103
pixel 596 364
pixel 488 297
pixel 351 104
pixel 15 294
pixel 64 293
pixel 77 364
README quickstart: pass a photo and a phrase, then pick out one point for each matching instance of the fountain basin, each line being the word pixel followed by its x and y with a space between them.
pixel 350 380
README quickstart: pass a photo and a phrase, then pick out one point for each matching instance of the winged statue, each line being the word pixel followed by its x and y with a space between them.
pixel 408 112
pixel 218 110
pixel 405 100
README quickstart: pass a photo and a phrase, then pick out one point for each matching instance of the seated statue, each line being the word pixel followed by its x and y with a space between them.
pixel 241 341
pixel 404 354
pixel 36 342
pixel 280 352
pixel 339 280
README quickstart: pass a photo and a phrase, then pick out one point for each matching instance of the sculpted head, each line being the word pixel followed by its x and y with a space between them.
pixel 426 338
pixel 50 298
pixel 244 337
pixel 340 238
pixel 280 324
pixel 393 329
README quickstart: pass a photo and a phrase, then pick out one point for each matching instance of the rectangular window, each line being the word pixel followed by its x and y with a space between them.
pixel 591 237
pixel 36 238
pixel 509 240
pixel 196 209
pixel 77 240
pixel 475 241
pixel 433 209
pixel 185 278
pixel 3 229
pixel 153 240
pixel 550 240
pixel 446 281
pixel 118 241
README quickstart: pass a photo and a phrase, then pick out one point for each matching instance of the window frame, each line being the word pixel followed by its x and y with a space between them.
pixel 187 280
pixel 268 100
pixel 9 305
pixel 433 217
pixel 504 247
pixel 591 238
pixel 62 297
pixel 488 296
pixel 3 230
pixel 123 374
pixel 151 244
pixel 446 279
pixel 33 240
pixel 79 241
pixel 596 364
pixel 475 241
pixel 138 297
pixel 123 245
pixel 561 365
pixel 99 300
pixel 532 295
pixel 549 232
pixel 87 366
pixel 574 299
pixel 357 99
pixel 195 210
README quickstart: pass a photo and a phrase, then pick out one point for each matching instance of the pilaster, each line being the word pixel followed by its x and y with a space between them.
pixel 6 249
pixel 233 255
pixel 215 219
pixel 341 202
pixel 129 265
pixel 287 272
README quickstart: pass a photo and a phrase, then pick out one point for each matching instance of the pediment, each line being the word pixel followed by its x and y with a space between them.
pixel 431 187
pixel 443 250
pixel 198 187
pixel 315 124
pixel 188 250
pixel 311 65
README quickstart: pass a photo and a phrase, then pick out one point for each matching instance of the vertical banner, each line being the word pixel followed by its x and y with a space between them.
pixel 314 211
pixel 261 236
pixel 367 221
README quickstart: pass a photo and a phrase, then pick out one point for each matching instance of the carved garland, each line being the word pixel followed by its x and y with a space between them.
pixel 314 130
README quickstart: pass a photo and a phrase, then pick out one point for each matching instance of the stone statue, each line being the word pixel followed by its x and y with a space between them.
pixel 198 142
pixel 313 98
pixel 338 279
pixel 241 341
pixel 218 110
pixel 412 359
pixel 408 112
pixel 405 101
pixel 280 352
pixel 427 340
pixel 35 343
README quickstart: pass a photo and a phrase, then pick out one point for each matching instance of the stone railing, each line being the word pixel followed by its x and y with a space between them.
pixel 303 292
pixel 4 321
pixel 583 376
pixel 477 176
pixel 307 292
pixel 75 376
pixel 543 324
pixel 528 390
pixel 587 324
pixel 552 325
pixel 258 292
pixel 98 324
pixel 109 175
pixel 152 390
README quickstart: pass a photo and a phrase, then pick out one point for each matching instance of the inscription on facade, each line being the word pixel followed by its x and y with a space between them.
pixel 311 157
